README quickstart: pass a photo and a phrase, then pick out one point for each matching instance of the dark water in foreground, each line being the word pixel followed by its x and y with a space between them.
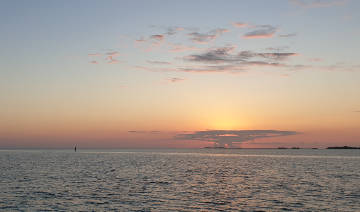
pixel 180 180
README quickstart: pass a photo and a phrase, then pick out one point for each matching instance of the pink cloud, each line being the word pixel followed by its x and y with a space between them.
pixel 182 48
pixel 239 24
pixel 111 57
pixel 259 36
pixel 158 37
pixel 141 40
pixel 113 54
pixel 316 59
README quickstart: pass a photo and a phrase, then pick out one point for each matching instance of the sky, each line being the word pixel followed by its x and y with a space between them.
pixel 179 74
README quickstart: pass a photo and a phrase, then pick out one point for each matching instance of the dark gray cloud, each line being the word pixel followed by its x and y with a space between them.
pixel 227 55
pixel 218 55
pixel 213 69
pixel 223 138
pixel 261 31
pixel 276 55
pixel 204 38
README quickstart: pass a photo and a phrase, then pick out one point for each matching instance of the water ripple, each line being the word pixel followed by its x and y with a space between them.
pixel 180 180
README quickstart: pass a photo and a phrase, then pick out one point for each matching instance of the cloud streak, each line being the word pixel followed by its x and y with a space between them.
pixel 288 35
pixel 228 60
pixel 144 132
pixel 261 31
pixel 110 57
pixel 239 24
pixel 227 55
pixel 94 54
pixel 182 48
pixel 204 38
pixel 175 79
pixel 318 3
pixel 158 62
pixel 158 37
pixel 223 138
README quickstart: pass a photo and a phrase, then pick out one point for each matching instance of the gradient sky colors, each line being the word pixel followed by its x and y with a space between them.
pixel 153 74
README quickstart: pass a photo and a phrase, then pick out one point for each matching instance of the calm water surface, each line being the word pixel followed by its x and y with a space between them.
pixel 180 180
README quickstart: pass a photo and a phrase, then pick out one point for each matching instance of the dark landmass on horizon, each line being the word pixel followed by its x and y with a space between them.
pixel 343 147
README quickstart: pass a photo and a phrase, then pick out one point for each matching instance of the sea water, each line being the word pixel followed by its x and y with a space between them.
pixel 180 180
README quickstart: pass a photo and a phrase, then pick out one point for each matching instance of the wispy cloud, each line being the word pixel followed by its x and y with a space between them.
pixel 318 3
pixel 287 35
pixel 261 31
pixel 153 41
pixel 168 30
pixel 278 48
pixel 113 61
pixel 110 57
pixel 227 60
pixel 223 138
pixel 94 54
pixel 204 38
pixel 112 54
pixel 276 55
pixel 217 55
pixel 182 48
pixel 144 132
pixel 340 66
pixel 173 30
pixel 232 69
pixel 158 62
pixel 175 79
pixel 226 55
pixel 158 37
pixel 140 40
pixel 239 24
pixel 315 59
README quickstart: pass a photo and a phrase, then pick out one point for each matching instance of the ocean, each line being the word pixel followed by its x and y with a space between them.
pixel 180 180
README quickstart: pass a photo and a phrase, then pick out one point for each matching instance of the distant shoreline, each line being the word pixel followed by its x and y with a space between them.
pixel 343 147
pixel 336 147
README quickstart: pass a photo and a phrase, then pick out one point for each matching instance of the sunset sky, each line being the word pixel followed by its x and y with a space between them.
pixel 166 74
